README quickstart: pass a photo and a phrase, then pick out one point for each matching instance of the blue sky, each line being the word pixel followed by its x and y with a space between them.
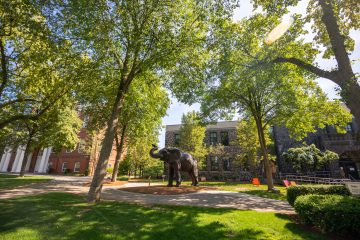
pixel 177 109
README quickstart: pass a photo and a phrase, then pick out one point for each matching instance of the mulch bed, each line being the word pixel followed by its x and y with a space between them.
pixel 163 190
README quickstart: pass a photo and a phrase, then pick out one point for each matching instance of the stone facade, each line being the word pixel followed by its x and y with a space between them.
pixel 215 167
pixel 345 145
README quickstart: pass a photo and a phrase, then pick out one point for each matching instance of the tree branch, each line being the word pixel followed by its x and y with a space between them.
pixel 309 67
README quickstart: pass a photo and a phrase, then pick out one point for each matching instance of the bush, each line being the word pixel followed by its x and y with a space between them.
pixel 332 213
pixel 110 170
pixel 295 191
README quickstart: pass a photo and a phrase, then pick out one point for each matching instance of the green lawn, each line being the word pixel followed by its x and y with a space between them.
pixel 67 216
pixel 13 181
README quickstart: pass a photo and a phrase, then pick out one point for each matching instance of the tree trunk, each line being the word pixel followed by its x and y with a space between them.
pixel 345 77
pixel 26 156
pixel 119 149
pixel 107 144
pixel 263 147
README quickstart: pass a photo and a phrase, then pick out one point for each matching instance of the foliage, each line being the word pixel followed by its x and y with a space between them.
pixel 332 213
pixel 295 191
pixel 74 217
pixel 39 70
pixel 276 95
pixel 308 158
pixel 331 23
pixel 248 140
pixel 192 135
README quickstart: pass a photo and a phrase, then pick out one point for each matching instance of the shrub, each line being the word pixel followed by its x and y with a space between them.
pixel 332 213
pixel 110 170
pixel 295 191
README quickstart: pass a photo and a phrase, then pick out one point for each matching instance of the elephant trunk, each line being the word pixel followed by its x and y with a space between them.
pixel 155 155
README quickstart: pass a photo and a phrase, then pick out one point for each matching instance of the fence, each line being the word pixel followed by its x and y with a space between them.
pixel 316 180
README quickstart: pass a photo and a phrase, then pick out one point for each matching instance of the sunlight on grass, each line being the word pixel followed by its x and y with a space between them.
pixel 67 216
pixel 13 181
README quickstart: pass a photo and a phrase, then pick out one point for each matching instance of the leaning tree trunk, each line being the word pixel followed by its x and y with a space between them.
pixel 119 150
pixel 263 147
pixel 345 77
pixel 107 144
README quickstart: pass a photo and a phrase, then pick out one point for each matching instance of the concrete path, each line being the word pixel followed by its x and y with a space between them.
pixel 214 199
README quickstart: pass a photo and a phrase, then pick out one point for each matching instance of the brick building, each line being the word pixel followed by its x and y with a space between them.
pixel 81 160
pixel 215 167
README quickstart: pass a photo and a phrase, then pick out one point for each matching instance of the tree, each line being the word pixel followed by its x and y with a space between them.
pixel 192 135
pixel 331 21
pixel 144 106
pixel 276 95
pixel 57 128
pixel 130 38
pixel 37 69
pixel 308 158
pixel 248 140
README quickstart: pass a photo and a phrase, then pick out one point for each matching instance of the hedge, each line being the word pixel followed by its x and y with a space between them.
pixel 332 213
pixel 295 191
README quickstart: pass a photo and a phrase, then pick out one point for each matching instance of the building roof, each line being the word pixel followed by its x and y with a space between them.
pixel 218 125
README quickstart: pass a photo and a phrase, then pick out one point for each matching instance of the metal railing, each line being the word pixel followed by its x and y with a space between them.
pixel 315 180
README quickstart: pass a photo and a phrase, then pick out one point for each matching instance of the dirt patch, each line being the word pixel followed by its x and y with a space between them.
pixel 109 183
pixel 163 190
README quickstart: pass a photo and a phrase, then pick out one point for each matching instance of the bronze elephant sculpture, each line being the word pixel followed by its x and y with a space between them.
pixel 177 161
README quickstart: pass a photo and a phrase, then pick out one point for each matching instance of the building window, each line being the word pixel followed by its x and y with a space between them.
pixel 213 138
pixel 177 139
pixel 64 166
pixel 77 167
pixel 85 122
pixel 226 164
pixel 81 146
pixel 214 163
pixel 224 138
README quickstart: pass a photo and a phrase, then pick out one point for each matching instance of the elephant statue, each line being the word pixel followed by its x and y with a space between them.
pixel 177 161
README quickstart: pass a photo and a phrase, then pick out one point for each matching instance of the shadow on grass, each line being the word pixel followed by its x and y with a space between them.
pixel 67 216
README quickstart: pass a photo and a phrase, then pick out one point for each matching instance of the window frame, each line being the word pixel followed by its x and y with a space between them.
pixel 78 167
pixel 225 142
pixel 177 138
pixel 211 138
pixel 214 162
pixel 62 166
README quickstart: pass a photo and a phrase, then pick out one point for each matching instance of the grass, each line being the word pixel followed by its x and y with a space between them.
pixel 14 181
pixel 67 216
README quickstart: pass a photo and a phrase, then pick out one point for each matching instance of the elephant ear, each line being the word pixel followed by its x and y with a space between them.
pixel 175 152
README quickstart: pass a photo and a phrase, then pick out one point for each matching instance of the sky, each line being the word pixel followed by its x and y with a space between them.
pixel 177 109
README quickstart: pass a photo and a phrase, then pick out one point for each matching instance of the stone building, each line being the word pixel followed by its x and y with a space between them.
pixel 81 160
pixel 347 146
pixel 216 166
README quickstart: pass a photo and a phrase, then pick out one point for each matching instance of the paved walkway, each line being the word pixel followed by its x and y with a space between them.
pixel 215 199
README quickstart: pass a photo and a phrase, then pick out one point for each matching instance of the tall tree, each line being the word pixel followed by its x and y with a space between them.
pixel 331 21
pixel 277 95
pixel 192 136
pixel 129 38
pixel 37 68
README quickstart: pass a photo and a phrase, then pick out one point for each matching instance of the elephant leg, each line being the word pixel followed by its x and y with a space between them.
pixel 177 175
pixel 196 176
pixel 171 176
pixel 192 178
